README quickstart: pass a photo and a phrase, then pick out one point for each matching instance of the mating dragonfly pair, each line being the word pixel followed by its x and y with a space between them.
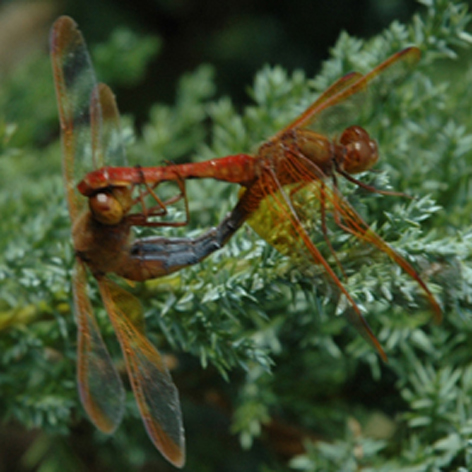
pixel 295 161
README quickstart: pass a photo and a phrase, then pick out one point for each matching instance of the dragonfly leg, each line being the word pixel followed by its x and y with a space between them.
pixel 159 210
pixel 370 188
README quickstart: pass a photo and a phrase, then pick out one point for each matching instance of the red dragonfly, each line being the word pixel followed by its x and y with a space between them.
pixel 91 136
pixel 296 162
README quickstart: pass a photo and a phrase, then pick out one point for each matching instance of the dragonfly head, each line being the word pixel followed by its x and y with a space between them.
pixel 109 206
pixel 361 152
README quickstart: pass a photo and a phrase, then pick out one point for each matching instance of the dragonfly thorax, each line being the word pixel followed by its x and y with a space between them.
pixel 360 151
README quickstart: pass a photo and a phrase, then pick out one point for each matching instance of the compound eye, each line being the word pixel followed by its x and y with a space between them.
pixel 106 208
pixel 354 134
pixel 361 151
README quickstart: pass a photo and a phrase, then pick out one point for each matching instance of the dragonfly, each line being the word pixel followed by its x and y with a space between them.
pixel 297 162
pixel 103 244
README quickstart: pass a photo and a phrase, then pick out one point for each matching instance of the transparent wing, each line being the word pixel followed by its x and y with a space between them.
pixel 343 103
pixel 278 222
pixel 107 144
pixel 100 387
pixel 74 80
pixel 155 392
pixel 277 215
pixel 89 117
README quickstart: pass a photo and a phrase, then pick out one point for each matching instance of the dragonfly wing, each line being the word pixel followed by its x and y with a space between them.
pixel 285 205
pixel 353 223
pixel 285 231
pixel 100 387
pixel 343 103
pixel 311 112
pixel 74 80
pixel 155 392
pixel 107 144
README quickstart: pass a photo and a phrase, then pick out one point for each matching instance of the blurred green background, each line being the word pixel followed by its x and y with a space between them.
pixel 237 38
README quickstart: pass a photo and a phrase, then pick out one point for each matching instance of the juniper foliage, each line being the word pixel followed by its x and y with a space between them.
pixel 259 345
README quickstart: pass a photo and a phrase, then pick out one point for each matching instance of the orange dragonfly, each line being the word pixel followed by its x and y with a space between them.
pixel 91 136
pixel 295 163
